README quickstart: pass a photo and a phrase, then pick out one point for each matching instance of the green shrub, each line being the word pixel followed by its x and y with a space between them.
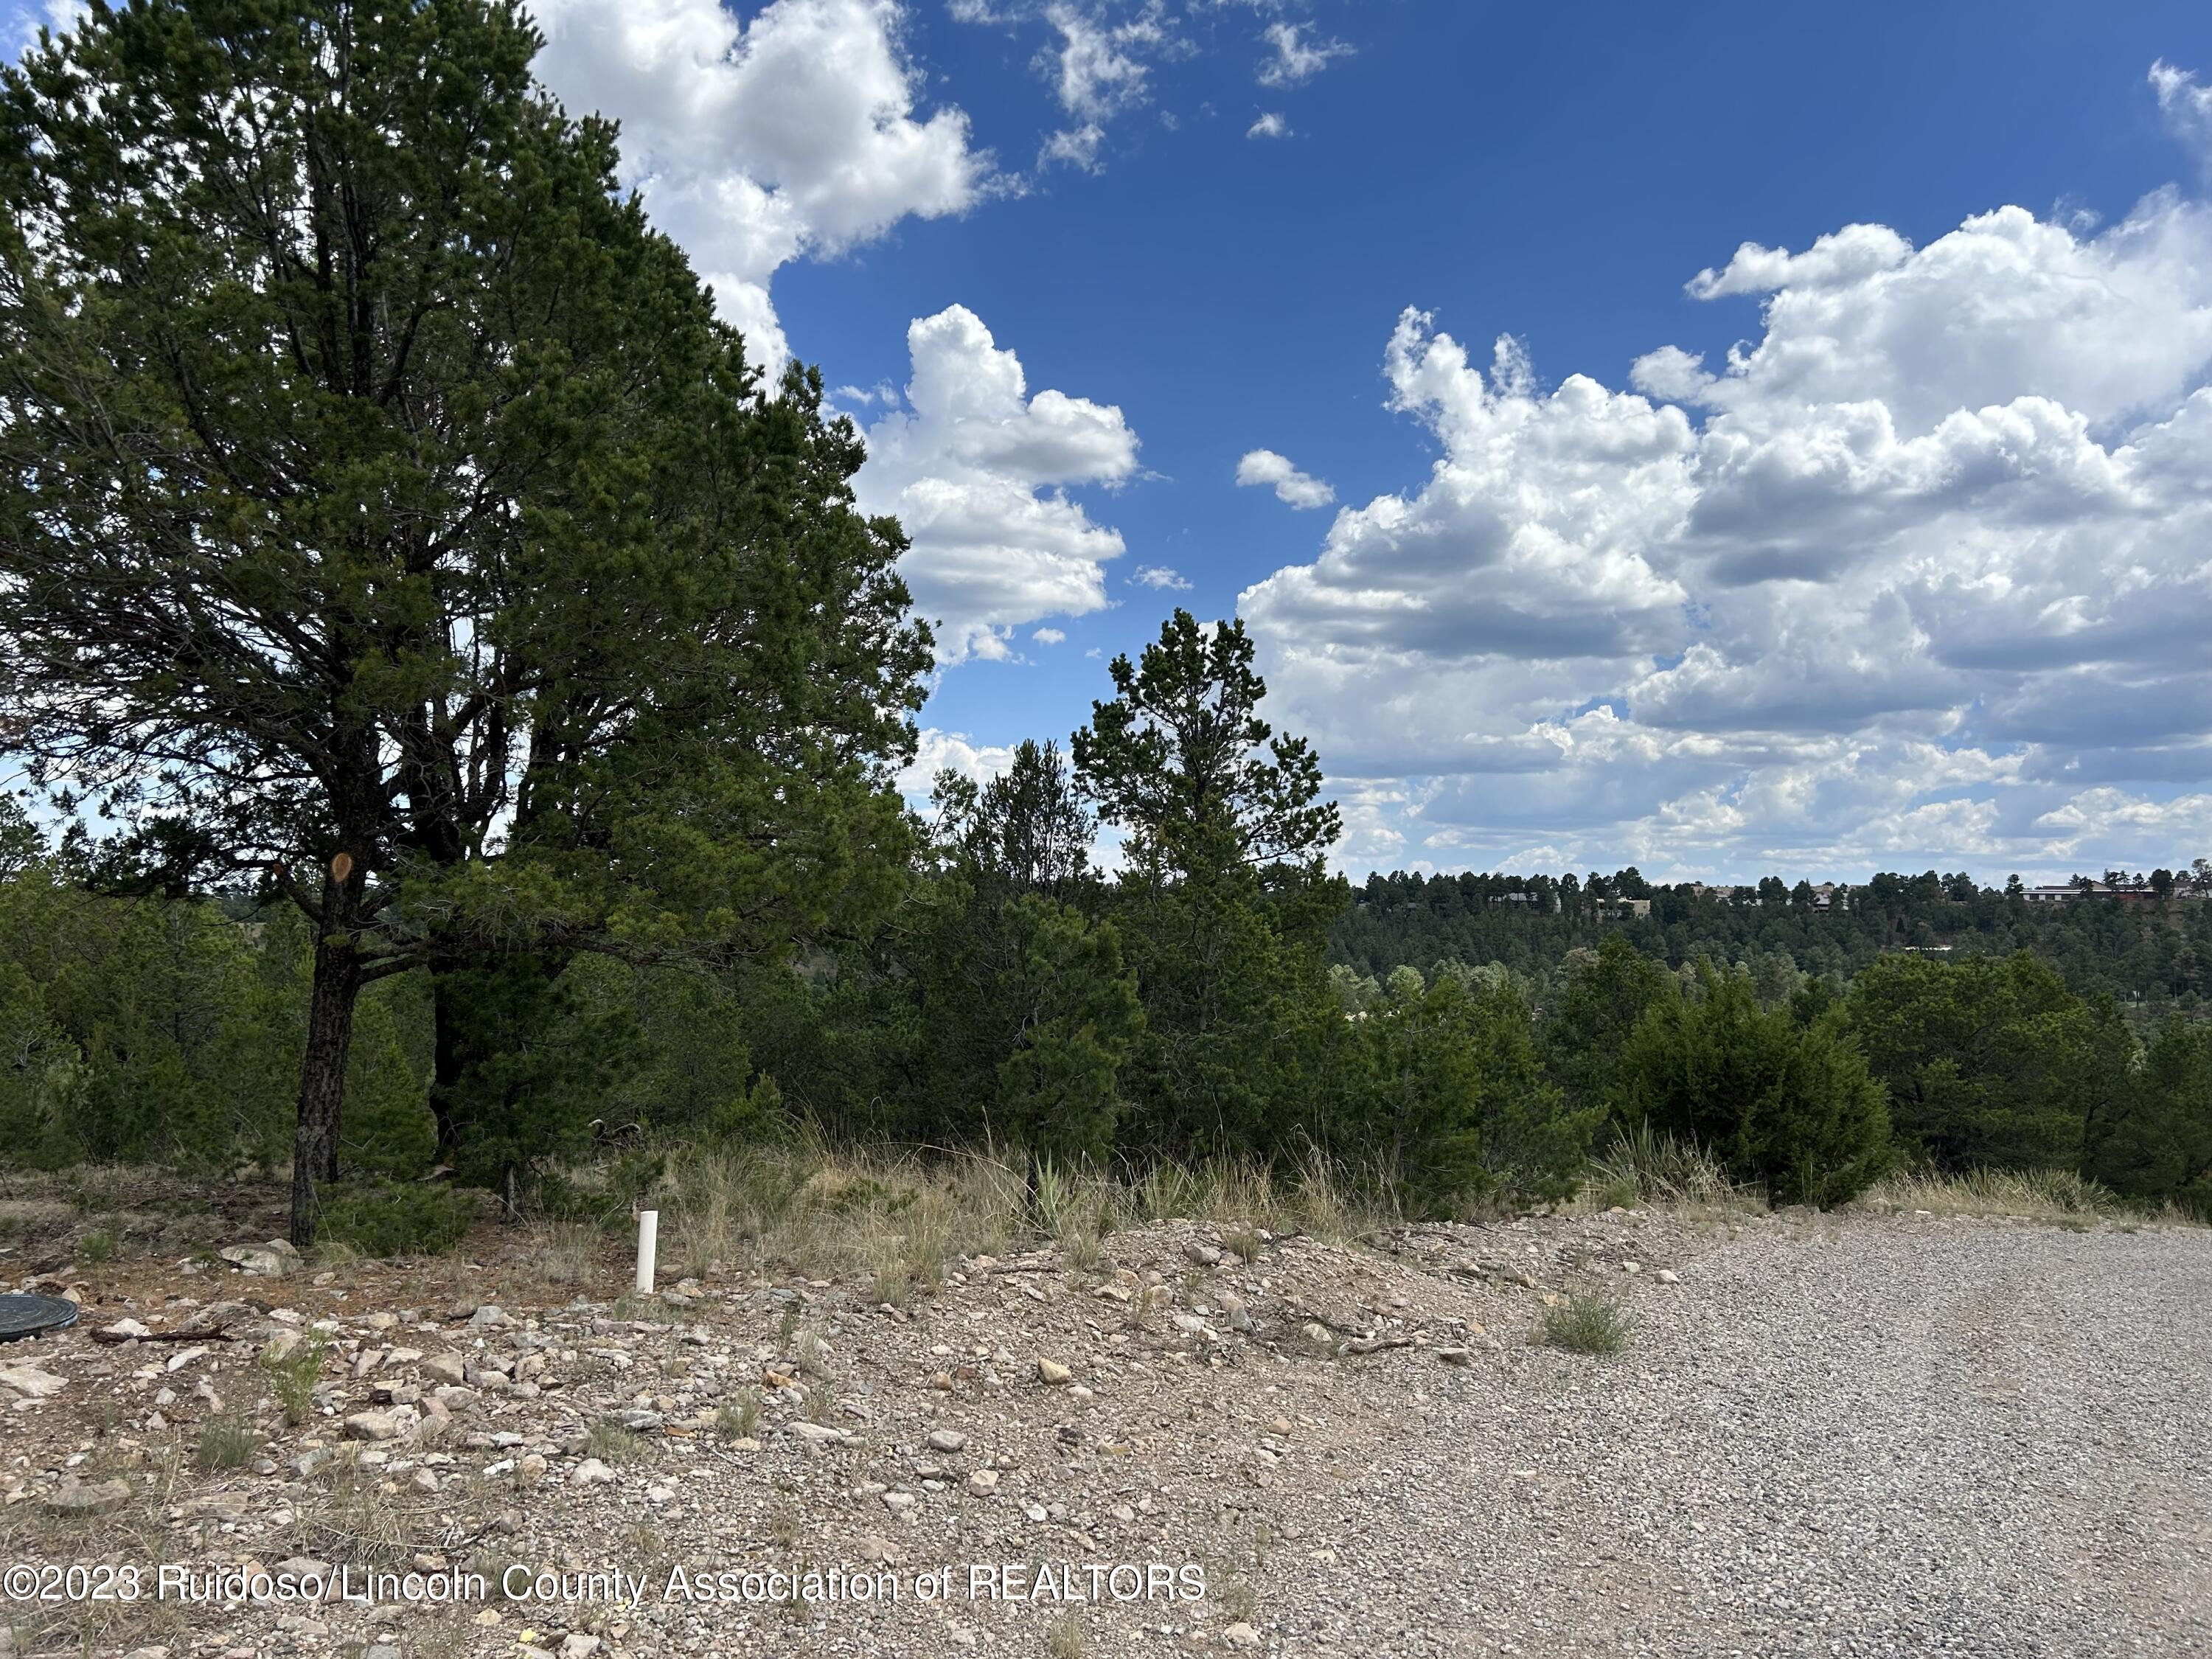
pixel 1587 1324
pixel 1990 1061
pixel 1454 1102
pixel 383 1220
pixel 2151 1138
pixel 43 1082
pixel 1791 1107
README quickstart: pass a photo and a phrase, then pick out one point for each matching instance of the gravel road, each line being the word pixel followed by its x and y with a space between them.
pixel 1872 1437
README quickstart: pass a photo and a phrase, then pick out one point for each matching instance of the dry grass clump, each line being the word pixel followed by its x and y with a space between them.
pixel 1645 1169
pixel 740 1419
pixel 890 1218
pixel 226 1443
pixel 560 1253
pixel 2037 1194
pixel 1318 1198
pixel 894 1220
pixel 643 1309
pixel 349 1517
pixel 610 1442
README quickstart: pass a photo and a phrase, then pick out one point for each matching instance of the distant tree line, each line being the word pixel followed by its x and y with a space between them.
pixel 2147 943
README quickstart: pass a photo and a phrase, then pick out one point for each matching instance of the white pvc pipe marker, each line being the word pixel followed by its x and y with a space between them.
pixel 648 1242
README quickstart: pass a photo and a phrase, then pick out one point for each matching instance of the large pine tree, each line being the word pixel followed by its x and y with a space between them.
pixel 384 514
pixel 1225 903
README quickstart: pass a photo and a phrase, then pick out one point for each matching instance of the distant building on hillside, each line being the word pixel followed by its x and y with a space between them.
pixel 2067 892
pixel 1553 903
pixel 1624 909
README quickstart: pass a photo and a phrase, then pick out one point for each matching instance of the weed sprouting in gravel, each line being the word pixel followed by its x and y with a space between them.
pixel 1080 1246
pixel 738 1420
pixel 225 1443
pixel 1587 1324
pixel 610 1442
pixel 650 1310
pixel 293 1375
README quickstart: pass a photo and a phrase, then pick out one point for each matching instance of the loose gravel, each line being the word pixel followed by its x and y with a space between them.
pixel 1874 1437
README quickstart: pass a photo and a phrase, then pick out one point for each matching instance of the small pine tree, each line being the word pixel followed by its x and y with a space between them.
pixel 1458 1106
pixel 536 1059
pixel 1791 1107
pixel 1057 1093
pixel 2152 1136
pixel 388 1129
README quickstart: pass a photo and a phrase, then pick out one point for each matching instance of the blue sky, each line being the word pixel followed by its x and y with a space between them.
pixel 1514 169
pixel 1923 581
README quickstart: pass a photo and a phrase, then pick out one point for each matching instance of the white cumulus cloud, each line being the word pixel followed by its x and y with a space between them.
pixel 955 752
pixel 757 142
pixel 1103 59
pixel 1292 487
pixel 1918 573
pixel 1160 578
pixel 976 469
pixel 1099 68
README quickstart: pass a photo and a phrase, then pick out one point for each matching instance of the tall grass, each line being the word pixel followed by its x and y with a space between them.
pixel 2044 1195
pixel 1643 1168
pixel 897 1218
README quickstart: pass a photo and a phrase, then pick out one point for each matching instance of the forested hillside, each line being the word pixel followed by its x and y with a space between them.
pixel 2147 943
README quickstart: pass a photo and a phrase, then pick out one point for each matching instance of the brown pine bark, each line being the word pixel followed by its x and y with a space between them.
pixel 336 988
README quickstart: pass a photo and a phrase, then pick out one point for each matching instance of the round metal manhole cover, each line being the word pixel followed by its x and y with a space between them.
pixel 27 1315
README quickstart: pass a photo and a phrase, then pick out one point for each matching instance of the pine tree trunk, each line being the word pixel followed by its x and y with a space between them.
pixel 323 1068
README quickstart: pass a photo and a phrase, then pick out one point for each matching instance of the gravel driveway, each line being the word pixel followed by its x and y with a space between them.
pixel 1873 1438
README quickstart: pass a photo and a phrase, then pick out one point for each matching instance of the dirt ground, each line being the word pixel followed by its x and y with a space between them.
pixel 1819 1438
